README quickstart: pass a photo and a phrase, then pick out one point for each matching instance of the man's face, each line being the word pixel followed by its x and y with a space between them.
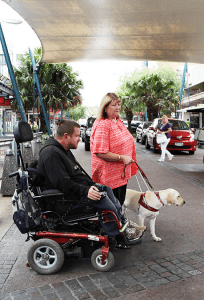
pixel 74 139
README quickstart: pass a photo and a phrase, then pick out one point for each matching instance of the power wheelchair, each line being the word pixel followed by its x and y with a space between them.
pixel 57 228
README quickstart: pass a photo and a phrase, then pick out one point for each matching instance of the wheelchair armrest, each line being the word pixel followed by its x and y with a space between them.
pixel 51 193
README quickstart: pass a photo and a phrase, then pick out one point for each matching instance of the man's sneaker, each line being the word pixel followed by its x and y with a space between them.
pixel 132 237
pixel 160 159
pixel 124 224
pixel 170 157
pixel 131 233
pixel 140 230
pixel 134 225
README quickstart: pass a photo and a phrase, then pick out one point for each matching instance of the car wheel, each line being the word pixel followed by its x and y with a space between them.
pixel 147 146
pixel 191 152
pixel 45 257
pixel 143 140
pixel 137 140
pixel 87 146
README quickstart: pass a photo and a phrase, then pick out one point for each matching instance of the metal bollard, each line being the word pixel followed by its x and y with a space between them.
pixel 10 165
pixel 37 148
pixel 27 153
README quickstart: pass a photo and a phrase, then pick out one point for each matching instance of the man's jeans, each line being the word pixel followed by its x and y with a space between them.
pixel 108 203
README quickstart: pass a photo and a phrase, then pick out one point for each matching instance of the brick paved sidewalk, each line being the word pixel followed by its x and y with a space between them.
pixel 135 277
pixel 10 246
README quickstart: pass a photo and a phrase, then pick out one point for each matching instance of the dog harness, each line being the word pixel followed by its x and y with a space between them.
pixel 143 202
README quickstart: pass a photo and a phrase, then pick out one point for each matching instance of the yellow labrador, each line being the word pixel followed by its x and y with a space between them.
pixel 148 205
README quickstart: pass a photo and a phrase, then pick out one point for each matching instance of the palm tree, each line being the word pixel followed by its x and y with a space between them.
pixel 59 85
pixel 156 93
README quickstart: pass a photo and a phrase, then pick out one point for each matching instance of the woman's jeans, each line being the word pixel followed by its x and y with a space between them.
pixel 164 151
pixel 108 202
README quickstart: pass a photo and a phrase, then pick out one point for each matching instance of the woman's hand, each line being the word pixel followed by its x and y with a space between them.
pixel 127 160
pixel 93 193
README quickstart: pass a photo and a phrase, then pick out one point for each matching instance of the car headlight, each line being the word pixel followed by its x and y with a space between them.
pixel 88 132
pixel 192 138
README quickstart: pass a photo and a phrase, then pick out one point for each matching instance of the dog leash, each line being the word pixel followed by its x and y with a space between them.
pixel 146 181
pixel 142 200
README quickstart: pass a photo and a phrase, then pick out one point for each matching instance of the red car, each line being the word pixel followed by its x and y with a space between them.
pixel 182 138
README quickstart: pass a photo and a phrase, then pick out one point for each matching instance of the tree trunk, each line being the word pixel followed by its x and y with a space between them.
pixel 152 111
pixel 129 116
pixel 43 127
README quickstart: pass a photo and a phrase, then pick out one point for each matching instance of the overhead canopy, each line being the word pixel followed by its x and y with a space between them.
pixel 195 109
pixel 75 30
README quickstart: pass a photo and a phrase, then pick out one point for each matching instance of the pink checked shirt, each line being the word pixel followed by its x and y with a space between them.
pixel 108 136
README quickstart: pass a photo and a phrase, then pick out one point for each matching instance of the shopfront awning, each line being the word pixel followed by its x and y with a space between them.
pixel 6 91
pixel 195 109
pixel 75 30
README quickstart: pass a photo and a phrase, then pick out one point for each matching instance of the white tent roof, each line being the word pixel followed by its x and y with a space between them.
pixel 74 30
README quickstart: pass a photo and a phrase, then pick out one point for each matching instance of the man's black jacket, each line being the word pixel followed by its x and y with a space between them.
pixel 62 172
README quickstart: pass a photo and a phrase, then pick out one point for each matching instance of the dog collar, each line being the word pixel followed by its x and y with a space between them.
pixel 145 205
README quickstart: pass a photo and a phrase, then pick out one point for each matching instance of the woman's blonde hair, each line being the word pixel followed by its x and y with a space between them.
pixel 107 99
pixel 165 117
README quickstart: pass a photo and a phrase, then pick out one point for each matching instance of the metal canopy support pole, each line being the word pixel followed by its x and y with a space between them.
pixel 37 82
pixel 13 79
pixel 185 70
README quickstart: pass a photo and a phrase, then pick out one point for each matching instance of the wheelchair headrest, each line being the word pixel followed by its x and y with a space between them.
pixel 23 132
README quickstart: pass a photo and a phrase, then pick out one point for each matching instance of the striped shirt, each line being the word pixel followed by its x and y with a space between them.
pixel 108 136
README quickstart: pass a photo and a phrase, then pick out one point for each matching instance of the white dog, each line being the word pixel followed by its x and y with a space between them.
pixel 148 205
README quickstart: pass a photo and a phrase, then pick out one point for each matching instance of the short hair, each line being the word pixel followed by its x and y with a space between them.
pixel 66 126
pixel 107 99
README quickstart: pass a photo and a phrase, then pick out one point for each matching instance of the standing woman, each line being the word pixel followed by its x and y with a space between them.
pixel 112 148
pixel 166 128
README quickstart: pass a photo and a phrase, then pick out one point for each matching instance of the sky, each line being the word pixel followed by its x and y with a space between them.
pixel 99 77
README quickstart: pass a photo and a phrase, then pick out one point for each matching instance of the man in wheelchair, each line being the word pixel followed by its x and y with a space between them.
pixel 61 171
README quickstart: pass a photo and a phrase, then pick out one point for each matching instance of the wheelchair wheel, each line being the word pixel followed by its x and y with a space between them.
pixel 96 261
pixel 46 256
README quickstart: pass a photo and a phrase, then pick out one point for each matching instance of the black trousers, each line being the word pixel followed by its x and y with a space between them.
pixel 120 193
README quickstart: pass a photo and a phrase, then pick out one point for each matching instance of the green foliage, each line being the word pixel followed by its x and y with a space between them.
pixel 155 89
pixel 58 83
pixel 77 112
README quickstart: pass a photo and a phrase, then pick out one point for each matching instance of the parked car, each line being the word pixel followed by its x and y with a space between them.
pixel 86 132
pixel 134 125
pixel 82 123
pixel 182 137
pixel 125 123
pixel 141 132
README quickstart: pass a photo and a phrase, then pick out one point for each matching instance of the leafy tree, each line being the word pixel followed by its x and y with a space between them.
pixel 156 90
pixel 59 85
pixel 77 112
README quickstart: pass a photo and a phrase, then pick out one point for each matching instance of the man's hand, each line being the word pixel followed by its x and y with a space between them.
pixel 93 193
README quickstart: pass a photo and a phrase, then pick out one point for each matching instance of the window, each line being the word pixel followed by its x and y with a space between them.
pixel 146 125
pixel 178 125
pixel 2 60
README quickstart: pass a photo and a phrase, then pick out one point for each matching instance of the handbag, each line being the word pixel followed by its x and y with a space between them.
pixel 19 218
pixel 161 138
